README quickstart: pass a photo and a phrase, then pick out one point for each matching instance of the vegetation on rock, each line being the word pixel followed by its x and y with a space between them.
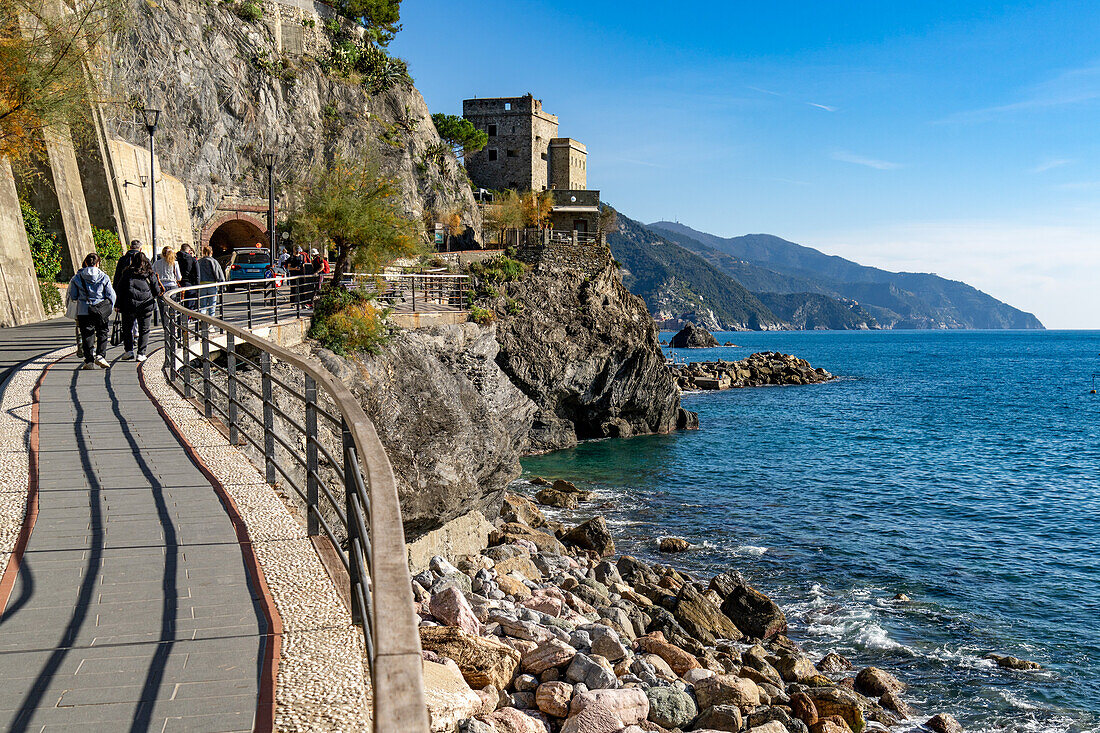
pixel 460 133
pixel 346 321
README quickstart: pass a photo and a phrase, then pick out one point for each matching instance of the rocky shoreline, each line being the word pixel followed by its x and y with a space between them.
pixel 549 631
pixel 756 370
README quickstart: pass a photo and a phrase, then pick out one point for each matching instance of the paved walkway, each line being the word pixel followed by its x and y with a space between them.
pixel 133 608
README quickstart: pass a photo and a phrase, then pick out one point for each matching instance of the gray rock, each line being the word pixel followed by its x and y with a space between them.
pixel 670 707
pixel 586 670
pixel 608 645
pixel 720 717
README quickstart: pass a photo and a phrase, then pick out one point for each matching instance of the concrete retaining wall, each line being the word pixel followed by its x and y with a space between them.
pixel 20 301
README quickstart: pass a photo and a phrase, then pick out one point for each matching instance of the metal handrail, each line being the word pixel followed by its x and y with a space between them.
pixel 375 554
pixel 446 290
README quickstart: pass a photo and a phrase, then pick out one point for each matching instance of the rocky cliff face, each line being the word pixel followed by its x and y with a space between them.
pixel 453 424
pixel 585 351
pixel 232 89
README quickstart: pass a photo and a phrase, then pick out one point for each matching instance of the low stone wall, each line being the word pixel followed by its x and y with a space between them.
pixel 591 259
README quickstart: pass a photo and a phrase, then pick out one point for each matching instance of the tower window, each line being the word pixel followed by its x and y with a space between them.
pixel 513 154
pixel 507 106
pixel 492 154
pixel 492 130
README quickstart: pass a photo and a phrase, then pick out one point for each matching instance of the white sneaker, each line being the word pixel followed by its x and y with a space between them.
pixel 88 365
pixel 142 357
pixel 102 363
pixel 128 356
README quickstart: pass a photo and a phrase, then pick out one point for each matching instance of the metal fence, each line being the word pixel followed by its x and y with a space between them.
pixel 415 292
pixel 312 437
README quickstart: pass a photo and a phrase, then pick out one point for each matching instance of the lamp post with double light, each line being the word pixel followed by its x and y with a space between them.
pixel 151 117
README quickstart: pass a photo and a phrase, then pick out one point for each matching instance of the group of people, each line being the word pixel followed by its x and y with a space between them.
pixel 134 294
pixel 301 262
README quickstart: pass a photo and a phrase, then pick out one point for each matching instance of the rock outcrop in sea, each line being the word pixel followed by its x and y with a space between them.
pixel 547 631
pixel 756 370
pixel 693 337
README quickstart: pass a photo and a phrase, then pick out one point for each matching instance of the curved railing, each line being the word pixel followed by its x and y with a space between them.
pixel 312 436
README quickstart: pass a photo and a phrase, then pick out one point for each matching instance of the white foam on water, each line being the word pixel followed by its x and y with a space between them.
pixel 1017 701
pixel 751 550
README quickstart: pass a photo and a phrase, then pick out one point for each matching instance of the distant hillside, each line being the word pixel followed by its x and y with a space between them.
pixel 678 285
pixel 816 312
pixel 766 263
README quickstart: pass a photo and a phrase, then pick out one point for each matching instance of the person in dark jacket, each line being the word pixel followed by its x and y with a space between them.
pixel 91 289
pixel 126 260
pixel 138 290
pixel 189 273
pixel 209 271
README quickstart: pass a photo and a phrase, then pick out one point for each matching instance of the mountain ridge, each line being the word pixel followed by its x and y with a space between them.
pixel 767 263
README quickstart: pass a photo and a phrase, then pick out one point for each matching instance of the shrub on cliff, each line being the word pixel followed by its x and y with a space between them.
pixel 348 320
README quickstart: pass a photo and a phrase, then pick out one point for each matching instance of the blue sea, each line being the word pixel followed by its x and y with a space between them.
pixel 961 468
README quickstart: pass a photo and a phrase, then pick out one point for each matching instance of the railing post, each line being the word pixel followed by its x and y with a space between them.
pixel 313 527
pixel 207 402
pixel 186 355
pixel 169 324
pixel 249 291
pixel 276 298
pixel 413 278
pixel 231 386
pixel 357 613
pixel 269 416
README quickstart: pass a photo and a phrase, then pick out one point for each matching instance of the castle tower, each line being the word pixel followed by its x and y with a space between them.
pixel 518 153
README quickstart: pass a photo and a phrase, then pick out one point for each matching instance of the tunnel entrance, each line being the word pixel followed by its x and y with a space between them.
pixel 234 234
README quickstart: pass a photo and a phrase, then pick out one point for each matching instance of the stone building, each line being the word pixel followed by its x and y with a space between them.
pixel 524 152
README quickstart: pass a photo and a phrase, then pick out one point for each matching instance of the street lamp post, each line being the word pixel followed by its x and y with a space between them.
pixel 269 161
pixel 151 117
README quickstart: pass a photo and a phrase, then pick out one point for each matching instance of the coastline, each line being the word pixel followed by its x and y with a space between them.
pixel 553 630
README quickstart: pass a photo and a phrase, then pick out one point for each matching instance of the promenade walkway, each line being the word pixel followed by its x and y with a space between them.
pixel 133 607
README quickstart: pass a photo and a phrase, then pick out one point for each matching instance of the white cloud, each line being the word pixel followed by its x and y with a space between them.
pixel 825 107
pixel 1049 270
pixel 1073 86
pixel 1050 164
pixel 846 156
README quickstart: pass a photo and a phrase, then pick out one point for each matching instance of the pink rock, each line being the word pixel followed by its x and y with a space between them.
pixel 553 653
pixel 630 705
pixel 452 608
pixel 510 720
pixel 544 604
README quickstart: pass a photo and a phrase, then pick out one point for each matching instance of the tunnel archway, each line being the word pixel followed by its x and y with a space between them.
pixel 234 234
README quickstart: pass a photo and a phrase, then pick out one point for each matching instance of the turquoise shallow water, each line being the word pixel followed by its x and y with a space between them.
pixel 960 468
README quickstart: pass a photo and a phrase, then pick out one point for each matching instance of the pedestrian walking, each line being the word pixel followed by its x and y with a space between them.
pixel 138 292
pixel 209 271
pixel 189 274
pixel 91 289
pixel 168 270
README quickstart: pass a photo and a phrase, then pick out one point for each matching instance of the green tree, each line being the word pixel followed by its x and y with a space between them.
pixel 380 17
pixel 460 133
pixel 351 206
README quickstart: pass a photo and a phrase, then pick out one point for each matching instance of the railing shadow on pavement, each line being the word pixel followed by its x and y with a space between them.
pixel 312 436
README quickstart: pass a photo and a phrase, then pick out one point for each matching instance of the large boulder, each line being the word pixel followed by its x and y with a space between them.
pixel 553 698
pixel 727 689
pixel 448 698
pixel 702 619
pixel 671 707
pixel 592 535
pixel 606 711
pixel 511 720
pixel 451 607
pixel 511 531
pixel 693 337
pixel 720 717
pixel 676 658
pixel 755 614
pixel 944 723
pixel 840 702
pixel 515 507
pixel 874 682
pixel 482 661
pixel 549 654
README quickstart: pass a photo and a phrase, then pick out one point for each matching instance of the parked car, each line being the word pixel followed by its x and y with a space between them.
pixel 247 264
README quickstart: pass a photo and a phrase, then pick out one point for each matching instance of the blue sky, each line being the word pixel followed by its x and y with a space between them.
pixel 961 138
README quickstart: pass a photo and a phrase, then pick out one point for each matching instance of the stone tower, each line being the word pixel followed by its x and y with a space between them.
pixel 518 153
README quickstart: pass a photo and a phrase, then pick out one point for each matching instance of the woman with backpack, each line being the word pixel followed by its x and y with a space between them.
pixel 94 296
pixel 138 291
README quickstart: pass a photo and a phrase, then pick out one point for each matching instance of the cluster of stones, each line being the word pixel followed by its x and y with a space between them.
pixel 546 632
pixel 757 370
